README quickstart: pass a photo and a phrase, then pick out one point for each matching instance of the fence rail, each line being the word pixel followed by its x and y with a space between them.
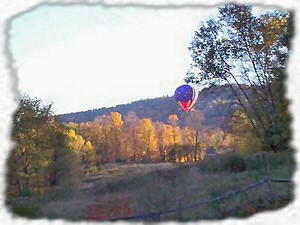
pixel 281 181
pixel 203 202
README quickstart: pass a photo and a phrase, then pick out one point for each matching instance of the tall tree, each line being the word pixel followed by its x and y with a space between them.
pixel 65 167
pixel 147 140
pixel 165 138
pixel 39 158
pixel 83 149
pixel 131 128
pixel 244 138
pixel 114 136
pixel 243 50
pixel 194 122
pixel 174 122
pixel 28 131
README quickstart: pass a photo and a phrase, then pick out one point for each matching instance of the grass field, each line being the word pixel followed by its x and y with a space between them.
pixel 119 190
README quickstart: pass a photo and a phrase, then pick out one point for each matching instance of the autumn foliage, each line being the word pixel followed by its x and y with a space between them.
pixel 108 209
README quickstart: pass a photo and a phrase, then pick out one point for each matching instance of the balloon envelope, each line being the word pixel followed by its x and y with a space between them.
pixel 186 96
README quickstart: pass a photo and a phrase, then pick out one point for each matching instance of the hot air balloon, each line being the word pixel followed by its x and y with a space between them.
pixel 186 96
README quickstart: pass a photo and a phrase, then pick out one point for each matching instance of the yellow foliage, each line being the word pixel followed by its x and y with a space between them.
pixel 244 138
pixel 89 145
pixel 72 134
pixel 116 118
pixel 272 28
pixel 173 120
pixel 147 139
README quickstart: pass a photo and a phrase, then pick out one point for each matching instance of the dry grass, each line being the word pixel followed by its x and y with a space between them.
pixel 152 188
pixel 119 170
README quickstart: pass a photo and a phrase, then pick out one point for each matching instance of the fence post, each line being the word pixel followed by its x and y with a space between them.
pixel 224 210
pixel 270 192
pixel 157 217
pixel 268 178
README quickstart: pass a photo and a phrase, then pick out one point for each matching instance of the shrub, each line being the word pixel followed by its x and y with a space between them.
pixel 25 211
pixel 235 162
pixel 232 162
pixel 57 194
pixel 281 159
pixel 254 163
pixel 213 164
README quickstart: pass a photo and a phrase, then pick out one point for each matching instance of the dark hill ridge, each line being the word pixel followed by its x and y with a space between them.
pixel 216 102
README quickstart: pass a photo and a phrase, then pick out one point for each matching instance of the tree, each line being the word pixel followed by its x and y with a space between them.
pixel 131 128
pixel 83 149
pixel 30 153
pixel 174 121
pixel 112 148
pixel 217 137
pixel 243 50
pixel 41 158
pixel 116 137
pixel 244 138
pixel 167 136
pixel 278 135
pixel 147 141
pixel 194 122
pixel 65 167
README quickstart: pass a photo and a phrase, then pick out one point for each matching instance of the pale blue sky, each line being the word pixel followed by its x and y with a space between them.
pixel 86 57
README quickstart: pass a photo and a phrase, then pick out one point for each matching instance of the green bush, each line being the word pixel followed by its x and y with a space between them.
pixel 57 194
pixel 232 162
pixel 212 164
pixel 25 211
pixel 254 163
pixel 281 159
pixel 235 162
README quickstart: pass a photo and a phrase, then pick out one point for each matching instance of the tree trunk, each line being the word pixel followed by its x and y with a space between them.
pixel 196 146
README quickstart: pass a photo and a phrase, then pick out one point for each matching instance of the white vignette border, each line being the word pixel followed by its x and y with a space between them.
pixel 9 93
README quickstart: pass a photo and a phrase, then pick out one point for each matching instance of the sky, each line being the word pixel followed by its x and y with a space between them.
pixel 87 57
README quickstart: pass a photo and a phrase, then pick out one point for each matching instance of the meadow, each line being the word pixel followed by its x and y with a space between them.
pixel 120 190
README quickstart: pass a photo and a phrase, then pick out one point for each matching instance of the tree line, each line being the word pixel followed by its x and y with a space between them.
pixel 131 139
pixel 48 154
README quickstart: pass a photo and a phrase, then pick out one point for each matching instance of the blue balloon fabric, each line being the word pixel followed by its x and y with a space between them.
pixel 184 93
pixel 186 96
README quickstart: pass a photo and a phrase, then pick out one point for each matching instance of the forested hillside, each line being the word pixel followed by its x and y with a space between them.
pixel 216 102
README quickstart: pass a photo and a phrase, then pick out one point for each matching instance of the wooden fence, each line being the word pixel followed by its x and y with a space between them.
pixel 179 209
